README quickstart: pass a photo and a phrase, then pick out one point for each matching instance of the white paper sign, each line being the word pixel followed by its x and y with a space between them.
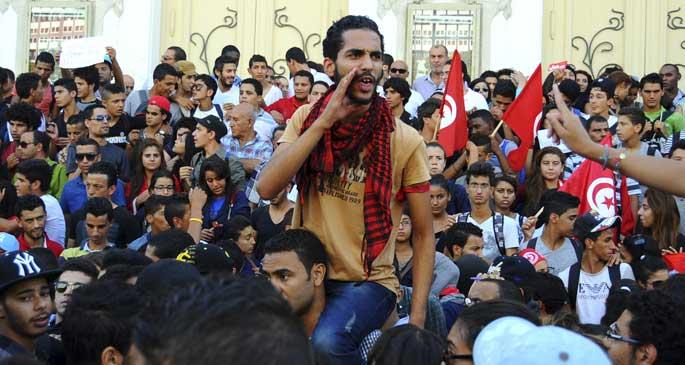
pixel 82 52
pixel 546 141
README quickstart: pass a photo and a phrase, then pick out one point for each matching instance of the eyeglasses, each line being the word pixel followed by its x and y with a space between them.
pixel 88 156
pixel 165 188
pixel 613 334
pixel 101 118
pixel 398 70
pixel 62 286
pixel 197 87
pixel 23 144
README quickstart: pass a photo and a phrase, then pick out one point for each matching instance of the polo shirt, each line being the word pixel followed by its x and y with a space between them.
pixel 426 87
pixel 674 123
pixel 75 196
pixel 51 245
pixel 286 107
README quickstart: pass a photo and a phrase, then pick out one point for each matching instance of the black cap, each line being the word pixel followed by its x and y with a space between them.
pixel 515 269
pixel 592 222
pixel 605 84
pixel 207 258
pixel 167 276
pixel 469 266
pixel 18 266
pixel 214 124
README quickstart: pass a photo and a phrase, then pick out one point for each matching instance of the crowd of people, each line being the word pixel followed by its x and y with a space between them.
pixel 315 218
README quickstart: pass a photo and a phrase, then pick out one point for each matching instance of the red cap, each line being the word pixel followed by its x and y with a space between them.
pixel 532 256
pixel 161 102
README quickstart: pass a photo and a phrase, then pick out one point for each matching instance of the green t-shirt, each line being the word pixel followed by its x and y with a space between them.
pixel 674 123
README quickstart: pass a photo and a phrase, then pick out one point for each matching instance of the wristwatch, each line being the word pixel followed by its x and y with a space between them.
pixel 617 161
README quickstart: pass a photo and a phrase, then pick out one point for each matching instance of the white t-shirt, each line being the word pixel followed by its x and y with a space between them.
pixel 511 236
pixel 273 95
pixel 415 100
pixel 231 96
pixel 199 114
pixel 593 290
pixel 473 99
pixel 55 225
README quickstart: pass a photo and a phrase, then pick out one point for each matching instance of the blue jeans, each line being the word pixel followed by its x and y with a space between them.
pixel 353 310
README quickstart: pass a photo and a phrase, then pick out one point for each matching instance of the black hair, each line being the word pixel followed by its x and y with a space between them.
pixel 179 53
pixel 507 179
pixel 8 203
pixel 506 289
pixel 105 168
pixel 209 81
pixel 481 140
pixel 25 83
pixel 170 243
pixel 43 139
pixel 458 234
pixel 504 88
pixel 441 181
pixel 113 307
pixel 83 266
pixel 85 141
pixel 677 70
pixel 304 243
pixel 235 225
pixel 258 88
pixel 90 110
pixel 230 48
pixel 228 307
pixel 98 207
pixel 334 35
pixel 5 75
pixel 175 208
pixel 550 290
pixel 617 300
pixel 110 89
pixel 121 273
pixel 305 73
pixel 89 74
pixel 68 84
pixel 76 119
pixel 474 318
pixel 427 108
pixel 407 345
pixel 636 116
pixel 505 72
pixel 436 145
pixel 557 202
pixel 297 54
pixel 322 83
pixel 652 78
pixel 488 73
pixel 481 168
pixel 646 265
pixel 257 58
pixel 220 167
pixel 221 61
pixel 594 119
pixel 675 286
pixel 36 170
pixel 280 127
pixel 401 86
pixel 28 202
pixel 315 66
pixel 476 81
pixel 570 89
pixel 163 70
pixel 484 115
pixel 680 145
pixel 25 113
pixel 124 256
pixel 155 203
pixel 388 59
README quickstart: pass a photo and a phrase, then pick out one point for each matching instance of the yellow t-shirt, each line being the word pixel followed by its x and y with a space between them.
pixel 336 215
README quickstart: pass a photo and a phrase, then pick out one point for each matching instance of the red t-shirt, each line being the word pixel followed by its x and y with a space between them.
pixel 286 107
pixel 53 246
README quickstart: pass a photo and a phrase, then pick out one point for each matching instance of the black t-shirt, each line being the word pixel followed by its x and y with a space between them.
pixel 119 132
pixel 124 229
pixel 262 223
pixel 61 124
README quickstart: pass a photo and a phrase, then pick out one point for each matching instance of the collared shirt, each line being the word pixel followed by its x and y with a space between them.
pixel 265 124
pixel 285 106
pixel 259 148
pixel 51 245
pixel 74 196
pixel 426 87
pixel 140 242
pixel 679 98
pixel 82 250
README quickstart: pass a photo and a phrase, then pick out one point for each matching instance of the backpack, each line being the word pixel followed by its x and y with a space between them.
pixel 577 246
pixel 497 228
pixel 653 136
pixel 216 107
pixel 574 277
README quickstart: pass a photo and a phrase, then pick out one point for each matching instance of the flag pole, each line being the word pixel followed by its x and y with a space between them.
pixel 499 125
pixel 435 131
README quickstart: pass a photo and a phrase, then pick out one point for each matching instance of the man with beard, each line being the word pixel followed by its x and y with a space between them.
pixel 32 216
pixel 44 67
pixel 227 93
pixel 354 167
pixel 25 302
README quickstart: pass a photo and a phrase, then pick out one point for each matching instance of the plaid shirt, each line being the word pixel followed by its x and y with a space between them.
pixel 259 148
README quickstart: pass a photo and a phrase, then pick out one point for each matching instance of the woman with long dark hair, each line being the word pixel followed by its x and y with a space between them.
pixel 547 173
pixel 149 158
pixel 660 219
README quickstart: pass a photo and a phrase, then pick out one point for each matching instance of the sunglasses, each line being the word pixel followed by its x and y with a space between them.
pixel 398 70
pixel 88 156
pixel 25 144
pixel 101 118
pixel 480 90
pixel 62 286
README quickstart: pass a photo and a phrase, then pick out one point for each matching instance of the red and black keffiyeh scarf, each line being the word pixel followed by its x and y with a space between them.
pixel 340 147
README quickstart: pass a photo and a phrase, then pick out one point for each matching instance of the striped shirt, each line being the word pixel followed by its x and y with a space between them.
pixel 573 161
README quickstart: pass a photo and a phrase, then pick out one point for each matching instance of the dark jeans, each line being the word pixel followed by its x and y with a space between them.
pixel 353 310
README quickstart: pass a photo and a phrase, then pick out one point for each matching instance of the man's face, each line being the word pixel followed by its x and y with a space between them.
pixel 632 95
pixel 17 128
pixel 436 160
pixel 96 186
pixel 97 124
pixel 621 352
pixel 479 189
pixel 482 291
pixel 187 82
pixel 604 246
pixel 625 130
pixel 240 121
pixel 153 116
pixel 651 95
pixel 302 87
pixel 248 94
pixel 63 96
pixel 166 86
pixel 399 69
pixel 318 91
pixel 479 126
pixel 393 98
pixel 115 104
pixel 26 308
pixel 258 71
pixel 564 222
pixel 598 130
pixel 75 132
pixel 227 74
pixel 361 49
pixel 437 56
pixel 86 156
pixel 83 89
pixel 168 57
pixel 621 92
pixel 71 280
pixel 129 84
pixel 200 90
pixel 104 72
pixel 502 102
pixel 678 155
pixel 282 83
pixel 474 246
pixel 44 70
pixel 22 185
pixel 445 73
pixel 201 136
pixel 32 223
pixel 97 228
pixel 290 278
pixel 491 81
pixel 599 103
pixel 27 148
pixel 157 221
pixel 669 77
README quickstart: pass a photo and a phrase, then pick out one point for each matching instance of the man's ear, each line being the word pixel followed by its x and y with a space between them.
pixel 318 274
pixel 149 218
pixel 35 185
pixel 646 354
pixel 456 251
pixel 178 222
pixel 111 356
pixel 329 67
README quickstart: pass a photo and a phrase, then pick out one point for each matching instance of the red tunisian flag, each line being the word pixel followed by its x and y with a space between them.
pixel 453 126
pixel 521 115
pixel 596 189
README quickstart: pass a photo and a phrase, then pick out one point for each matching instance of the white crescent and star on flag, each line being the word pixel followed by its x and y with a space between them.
pixel 601 196
pixel 449 112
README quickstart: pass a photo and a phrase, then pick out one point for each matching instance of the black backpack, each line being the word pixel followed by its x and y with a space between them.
pixel 574 277
pixel 497 228
pixel 577 246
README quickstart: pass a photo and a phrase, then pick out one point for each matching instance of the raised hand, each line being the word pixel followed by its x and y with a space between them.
pixel 340 106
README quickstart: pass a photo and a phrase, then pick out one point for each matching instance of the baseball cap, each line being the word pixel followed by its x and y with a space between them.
pixel 107 59
pixel 166 276
pixel 8 242
pixel 185 67
pixel 513 340
pixel 213 123
pixel 515 269
pixel 207 258
pixel 605 84
pixel 592 222
pixel 532 256
pixel 161 102
pixel 18 266
pixel 469 266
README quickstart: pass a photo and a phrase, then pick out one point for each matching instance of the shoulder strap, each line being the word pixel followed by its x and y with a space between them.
pixel 666 114
pixel 614 273
pixel 652 148
pixel 219 111
pixel 578 248
pixel 573 278
pixel 407 267
pixel 498 229
pixel 675 137
pixel 532 242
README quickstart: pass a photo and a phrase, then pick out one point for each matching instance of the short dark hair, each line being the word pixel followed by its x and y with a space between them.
pixel 436 145
pixel 230 48
pixel 179 53
pixel 570 89
pixel 235 225
pixel 408 344
pixel 46 57
pixel 209 81
pixel 643 267
pixel 111 305
pixel 439 180
pixel 36 170
pixel 401 86
pixel 98 207
pixel 85 141
pixel 297 54
pixel 83 266
pixel 334 40
pixel 680 145
pixel 481 140
pixel 305 73
pixel 124 256
pixel 507 179
pixel 304 243
pixel 479 169
pixel 620 77
pixel 652 78
pixel 258 88
pixel 427 108
pixel 29 203
pixel 257 58
pixel 155 202
pixel 175 208
pixel 222 60
pixel 505 72
pixel 504 88
pixel 76 119
pixel 557 202
pixel 25 113
pixel 458 234
pixel 110 89
pixel 90 109
pixel 68 84
pixel 163 70
pixel 594 119
pixel 105 168
pixel 25 83
pixel 43 139
pixel 550 290
pixel 170 243
pixel 635 115
pixel 89 74
pixel 484 115
pixel 488 73
pixel 388 59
